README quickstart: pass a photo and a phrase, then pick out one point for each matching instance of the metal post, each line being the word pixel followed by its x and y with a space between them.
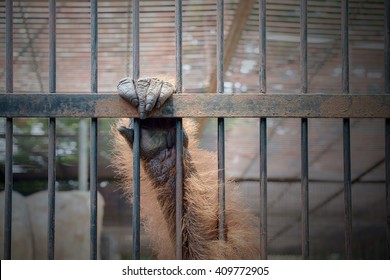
pixel 346 133
pixel 52 133
pixel 94 130
pixel 8 133
pixel 263 134
pixel 221 122
pixel 179 134
pixel 137 137
pixel 304 138
pixel 387 124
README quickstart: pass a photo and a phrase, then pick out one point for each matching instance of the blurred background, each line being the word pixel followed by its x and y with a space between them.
pixel 157 57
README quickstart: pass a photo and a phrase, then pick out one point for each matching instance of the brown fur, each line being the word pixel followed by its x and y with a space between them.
pixel 200 204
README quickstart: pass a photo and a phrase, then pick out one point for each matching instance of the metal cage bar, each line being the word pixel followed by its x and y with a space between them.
pixel 9 134
pixel 179 132
pixel 253 105
pixel 221 122
pixel 136 223
pixel 304 138
pixel 52 133
pixel 109 105
pixel 94 130
pixel 346 131
pixel 387 124
pixel 263 135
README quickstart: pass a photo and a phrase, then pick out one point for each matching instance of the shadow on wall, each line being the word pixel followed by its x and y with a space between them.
pixel 72 225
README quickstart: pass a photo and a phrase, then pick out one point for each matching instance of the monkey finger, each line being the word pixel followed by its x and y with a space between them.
pixel 166 91
pixel 127 91
pixel 153 93
pixel 142 90
pixel 127 133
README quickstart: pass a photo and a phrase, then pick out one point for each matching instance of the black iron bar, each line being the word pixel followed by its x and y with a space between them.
pixel 9 73
pixel 52 133
pixel 346 132
pixel 136 223
pixel 387 124
pixel 179 133
pixel 263 135
pixel 327 200
pixel 387 170
pixel 304 138
pixel 94 130
pixel 9 134
pixel 263 189
pixel 221 122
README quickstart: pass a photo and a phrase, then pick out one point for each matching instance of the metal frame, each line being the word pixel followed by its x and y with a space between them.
pixel 53 105
pixel 106 105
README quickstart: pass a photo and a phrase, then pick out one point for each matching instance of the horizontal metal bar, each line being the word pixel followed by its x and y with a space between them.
pixel 199 105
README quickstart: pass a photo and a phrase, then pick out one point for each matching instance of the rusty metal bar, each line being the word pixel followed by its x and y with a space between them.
pixel 221 122
pixel 346 132
pixel 179 133
pixel 263 189
pixel 94 131
pixel 9 134
pixel 263 134
pixel 326 201
pixel 52 133
pixel 179 189
pixel 199 105
pixel 136 222
pixel 262 33
pixel 9 73
pixel 387 124
pixel 304 138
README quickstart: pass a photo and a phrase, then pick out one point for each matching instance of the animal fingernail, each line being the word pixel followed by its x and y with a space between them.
pixel 134 102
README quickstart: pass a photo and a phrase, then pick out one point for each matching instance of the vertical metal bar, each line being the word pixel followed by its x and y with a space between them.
pixel 137 136
pixel 263 189
pixel 94 131
pixel 387 124
pixel 262 27
pixel 304 138
pixel 9 46
pixel 346 132
pixel 387 170
pixel 179 134
pixel 179 45
pixel 52 133
pixel 221 123
pixel 52 46
pixel 303 58
pixel 263 134
pixel 9 134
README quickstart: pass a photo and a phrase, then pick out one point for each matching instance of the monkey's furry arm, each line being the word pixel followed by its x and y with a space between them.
pixel 200 207
pixel 158 154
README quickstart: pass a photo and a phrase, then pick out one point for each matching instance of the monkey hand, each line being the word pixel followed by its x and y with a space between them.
pixel 157 135
pixel 146 93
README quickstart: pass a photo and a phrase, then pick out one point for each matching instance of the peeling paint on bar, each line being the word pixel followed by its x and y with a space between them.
pixel 199 105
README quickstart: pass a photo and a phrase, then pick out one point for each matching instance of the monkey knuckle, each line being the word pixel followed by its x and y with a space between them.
pixel 142 86
pixel 168 88
pixel 125 87
pixel 123 81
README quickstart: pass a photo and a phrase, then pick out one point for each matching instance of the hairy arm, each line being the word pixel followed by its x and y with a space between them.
pixel 158 155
